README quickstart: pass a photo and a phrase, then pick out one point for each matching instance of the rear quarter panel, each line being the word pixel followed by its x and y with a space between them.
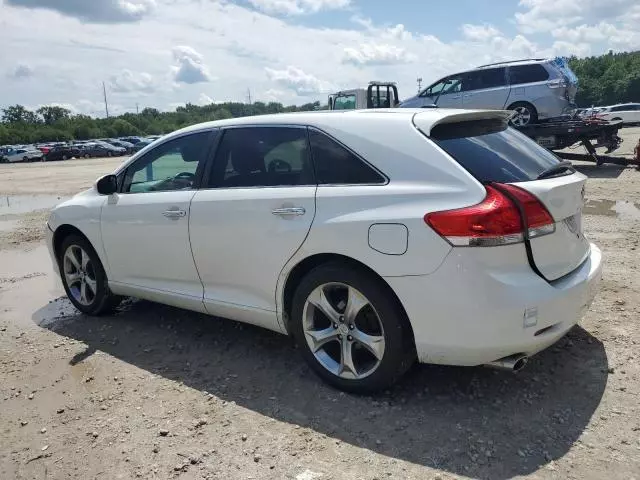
pixel 422 179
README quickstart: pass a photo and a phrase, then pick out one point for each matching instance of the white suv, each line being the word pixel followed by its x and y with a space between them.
pixel 375 238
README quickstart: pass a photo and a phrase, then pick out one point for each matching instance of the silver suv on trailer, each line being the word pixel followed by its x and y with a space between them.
pixel 537 89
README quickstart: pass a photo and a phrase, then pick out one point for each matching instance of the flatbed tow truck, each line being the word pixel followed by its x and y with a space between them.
pixel 555 134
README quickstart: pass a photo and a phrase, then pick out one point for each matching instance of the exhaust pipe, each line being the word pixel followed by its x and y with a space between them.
pixel 513 363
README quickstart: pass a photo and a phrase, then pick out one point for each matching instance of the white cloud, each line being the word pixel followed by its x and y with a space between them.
pixel 298 7
pixel 480 33
pixel 377 54
pixel 190 67
pixel 99 11
pixel 277 58
pixel 547 15
pixel 273 95
pixel 128 81
pixel 302 83
pixel 205 99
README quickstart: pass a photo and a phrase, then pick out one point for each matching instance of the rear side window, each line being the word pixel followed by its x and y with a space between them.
pixel 528 74
pixel 491 152
pixel 336 165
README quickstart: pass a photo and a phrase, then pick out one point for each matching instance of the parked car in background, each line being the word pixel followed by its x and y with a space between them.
pixel 629 113
pixel 372 251
pixel 61 152
pixel 100 149
pixel 22 155
pixel 536 89
pixel 132 140
pixel 121 143
pixel 141 144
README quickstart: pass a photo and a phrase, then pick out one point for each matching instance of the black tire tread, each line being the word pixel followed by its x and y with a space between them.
pixel 400 353
pixel 105 301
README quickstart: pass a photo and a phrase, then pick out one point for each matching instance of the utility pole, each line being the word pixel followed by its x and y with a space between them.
pixel 106 105
pixel 137 112
pixel 249 96
pixel 419 84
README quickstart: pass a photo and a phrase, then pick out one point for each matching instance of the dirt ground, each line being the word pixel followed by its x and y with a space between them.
pixel 156 392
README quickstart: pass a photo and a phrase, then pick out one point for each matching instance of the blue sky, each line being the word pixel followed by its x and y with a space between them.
pixel 163 53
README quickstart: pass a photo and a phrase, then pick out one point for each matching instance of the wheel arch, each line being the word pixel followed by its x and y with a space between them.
pixel 303 267
pixel 62 232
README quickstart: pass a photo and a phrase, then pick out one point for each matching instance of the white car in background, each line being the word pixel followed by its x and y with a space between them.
pixel 374 238
pixel 23 155
pixel 629 113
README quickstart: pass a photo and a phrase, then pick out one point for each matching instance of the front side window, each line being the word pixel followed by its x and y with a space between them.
pixel 262 157
pixel 344 102
pixel 170 166
pixel 446 85
pixel 335 165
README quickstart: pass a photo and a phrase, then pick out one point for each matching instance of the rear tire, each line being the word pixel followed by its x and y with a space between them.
pixel 64 157
pixel 526 114
pixel 84 278
pixel 376 342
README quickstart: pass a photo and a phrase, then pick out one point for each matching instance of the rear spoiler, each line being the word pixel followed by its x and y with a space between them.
pixel 425 122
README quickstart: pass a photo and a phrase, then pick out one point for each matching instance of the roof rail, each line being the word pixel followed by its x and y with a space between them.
pixel 512 61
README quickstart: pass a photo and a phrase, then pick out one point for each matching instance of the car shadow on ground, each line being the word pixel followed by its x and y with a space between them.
pixel 602 171
pixel 468 421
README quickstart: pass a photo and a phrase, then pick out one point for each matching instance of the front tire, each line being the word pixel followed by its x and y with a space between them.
pixel 84 278
pixel 526 114
pixel 350 328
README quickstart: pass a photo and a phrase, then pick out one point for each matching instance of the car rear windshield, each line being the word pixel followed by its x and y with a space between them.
pixel 493 152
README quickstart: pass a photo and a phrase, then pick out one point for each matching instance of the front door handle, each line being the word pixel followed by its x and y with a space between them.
pixel 289 211
pixel 174 213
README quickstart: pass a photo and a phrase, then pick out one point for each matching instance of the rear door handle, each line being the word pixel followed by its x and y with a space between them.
pixel 456 96
pixel 174 213
pixel 289 211
pixel 468 95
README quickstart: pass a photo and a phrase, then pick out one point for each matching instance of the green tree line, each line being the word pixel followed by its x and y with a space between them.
pixel 19 125
pixel 607 79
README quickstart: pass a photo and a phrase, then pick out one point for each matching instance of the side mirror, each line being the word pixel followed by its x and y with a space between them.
pixel 107 185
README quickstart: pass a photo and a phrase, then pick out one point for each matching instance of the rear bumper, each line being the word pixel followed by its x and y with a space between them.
pixel 469 313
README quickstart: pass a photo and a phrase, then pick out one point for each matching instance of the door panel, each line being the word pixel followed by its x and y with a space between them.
pixel 485 88
pixel 240 246
pixel 146 239
pixel 145 228
pixel 252 218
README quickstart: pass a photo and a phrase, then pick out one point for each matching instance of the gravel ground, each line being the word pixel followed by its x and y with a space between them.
pixel 156 392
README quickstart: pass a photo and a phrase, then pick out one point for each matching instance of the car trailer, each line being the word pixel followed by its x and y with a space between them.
pixel 556 135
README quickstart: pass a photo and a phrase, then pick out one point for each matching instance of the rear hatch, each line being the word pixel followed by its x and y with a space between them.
pixel 500 157
pixel 570 78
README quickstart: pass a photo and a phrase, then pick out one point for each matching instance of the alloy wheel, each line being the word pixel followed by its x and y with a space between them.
pixel 80 275
pixel 522 116
pixel 343 331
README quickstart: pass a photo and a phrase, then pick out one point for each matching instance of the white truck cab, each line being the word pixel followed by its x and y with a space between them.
pixel 376 95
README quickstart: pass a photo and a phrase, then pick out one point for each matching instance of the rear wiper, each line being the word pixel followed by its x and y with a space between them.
pixel 556 169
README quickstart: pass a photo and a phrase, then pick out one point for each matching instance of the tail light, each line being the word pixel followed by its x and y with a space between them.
pixel 494 221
